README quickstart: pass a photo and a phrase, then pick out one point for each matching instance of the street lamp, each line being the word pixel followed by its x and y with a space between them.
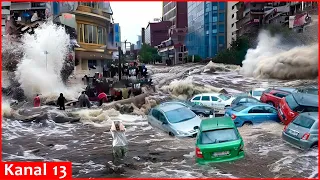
pixel 46 53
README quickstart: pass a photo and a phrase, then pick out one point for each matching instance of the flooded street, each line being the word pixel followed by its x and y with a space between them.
pixel 88 145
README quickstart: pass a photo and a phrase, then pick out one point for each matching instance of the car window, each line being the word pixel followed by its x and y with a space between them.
pixel 218 136
pixel 257 109
pixel 280 95
pixel 205 98
pixel 197 98
pixel 224 97
pixel 250 100
pixel 155 113
pixel 292 102
pixel 161 117
pixel 213 98
pixel 270 110
pixel 239 108
pixel 310 109
pixel 179 115
pixel 303 121
pixel 243 100
pixel 315 125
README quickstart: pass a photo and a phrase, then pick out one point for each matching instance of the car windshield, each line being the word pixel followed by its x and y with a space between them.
pixel 303 121
pixel 189 103
pixel 179 115
pixel 257 93
pixel 291 102
pixel 218 136
pixel 239 108
pixel 224 97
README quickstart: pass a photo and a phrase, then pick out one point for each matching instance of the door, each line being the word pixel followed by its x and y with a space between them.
pixel 271 113
pixel 258 114
pixel 153 117
pixel 162 122
pixel 217 103
pixel 197 100
pixel 278 97
pixel 92 67
pixel 205 100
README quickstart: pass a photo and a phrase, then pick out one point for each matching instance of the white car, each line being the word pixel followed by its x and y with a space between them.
pixel 217 101
pixel 256 93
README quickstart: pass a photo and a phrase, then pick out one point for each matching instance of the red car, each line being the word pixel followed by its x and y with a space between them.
pixel 273 96
pixel 294 104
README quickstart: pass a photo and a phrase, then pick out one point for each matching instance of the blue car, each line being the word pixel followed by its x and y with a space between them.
pixel 252 114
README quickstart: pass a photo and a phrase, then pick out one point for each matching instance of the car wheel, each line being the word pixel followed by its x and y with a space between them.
pixel 314 146
pixel 247 124
pixel 201 115
pixel 171 134
pixel 270 103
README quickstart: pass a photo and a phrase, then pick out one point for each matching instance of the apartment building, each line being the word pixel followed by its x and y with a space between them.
pixel 173 50
pixel 157 32
pixel 231 22
pixel 5 15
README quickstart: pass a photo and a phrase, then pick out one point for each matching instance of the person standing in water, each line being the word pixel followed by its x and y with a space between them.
pixel 61 101
pixel 84 100
pixel 119 142
pixel 36 101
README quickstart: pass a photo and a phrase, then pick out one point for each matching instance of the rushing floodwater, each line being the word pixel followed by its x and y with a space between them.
pixel 152 153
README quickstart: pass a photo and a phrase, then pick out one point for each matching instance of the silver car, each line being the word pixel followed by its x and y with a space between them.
pixel 175 119
pixel 302 132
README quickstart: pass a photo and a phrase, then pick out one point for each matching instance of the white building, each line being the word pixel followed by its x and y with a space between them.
pixel 5 14
pixel 231 22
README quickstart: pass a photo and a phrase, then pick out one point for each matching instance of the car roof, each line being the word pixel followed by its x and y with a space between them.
pixel 312 115
pixel 304 99
pixel 255 104
pixel 258 89
pixel 216 123
pixel 208 94
pixel 169 106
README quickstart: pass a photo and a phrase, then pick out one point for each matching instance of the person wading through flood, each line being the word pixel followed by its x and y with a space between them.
pixel 60 102
pixel 119 142
pixel 102 98
pixel 84 100
pixel 36 101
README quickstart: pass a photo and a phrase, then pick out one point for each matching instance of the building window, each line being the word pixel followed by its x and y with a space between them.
pixel 92 34
pixel 221 17
pixel 221 6
pixel 214 8
pixel 89 4
pixel 232 16
pixel 221 28
pixel 214 19
pixel 221 39
pixel 233 7
pixel 232 24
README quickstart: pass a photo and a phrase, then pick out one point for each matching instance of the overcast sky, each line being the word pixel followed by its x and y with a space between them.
pixel 132 16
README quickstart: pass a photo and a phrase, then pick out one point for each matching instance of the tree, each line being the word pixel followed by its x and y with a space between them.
pixel 148 54
pixel 235 54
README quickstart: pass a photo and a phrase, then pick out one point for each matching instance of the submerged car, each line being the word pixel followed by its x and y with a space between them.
pixel 218 140
pixel 243 100
pixel 295 103
pixel 309 90
pixel 250 114
pixel 302 132
pixel 256 92
pixel 201 111
pixel 215 100
pixel 174 119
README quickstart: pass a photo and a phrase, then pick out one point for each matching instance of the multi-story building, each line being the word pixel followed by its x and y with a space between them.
pixel 157 32
pixel 173 49
pixel 252 16
pixel 5 15
pixel 93 27
pixel 231 22
pixel 207 32
pixel 139 42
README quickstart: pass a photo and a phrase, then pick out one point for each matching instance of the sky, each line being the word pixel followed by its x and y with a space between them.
pixel 132 16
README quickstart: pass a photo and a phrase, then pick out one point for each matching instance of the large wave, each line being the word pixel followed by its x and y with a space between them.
pixel 272 59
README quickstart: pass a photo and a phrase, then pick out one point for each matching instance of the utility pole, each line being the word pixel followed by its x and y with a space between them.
pixel 119 65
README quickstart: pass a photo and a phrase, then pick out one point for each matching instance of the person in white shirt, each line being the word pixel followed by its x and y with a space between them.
pixel 119 143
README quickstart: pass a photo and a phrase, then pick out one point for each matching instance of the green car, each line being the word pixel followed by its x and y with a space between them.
pixel 218 140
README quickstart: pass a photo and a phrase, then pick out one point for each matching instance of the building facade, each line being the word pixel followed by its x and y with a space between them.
pixel 157 32
pixel 231 22
pixel 93 27
pixel 207 32
pixel 4 15
pixel 173 50
pixel 139 42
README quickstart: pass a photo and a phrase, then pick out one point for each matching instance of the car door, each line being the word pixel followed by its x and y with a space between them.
pixel 217 103
pixel 277 97
pixel 162 122
pixel 257 114
pixel 271 113
pixel 206 101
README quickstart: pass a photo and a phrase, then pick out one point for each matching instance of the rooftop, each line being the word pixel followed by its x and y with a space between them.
pixel 216 123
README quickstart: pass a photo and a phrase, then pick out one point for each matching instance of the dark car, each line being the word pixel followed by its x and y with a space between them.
pixel 309 90
pixel 201 111
pixel 243 100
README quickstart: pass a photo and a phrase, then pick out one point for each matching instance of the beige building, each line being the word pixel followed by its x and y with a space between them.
pixel 93 24
pixel 231 22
